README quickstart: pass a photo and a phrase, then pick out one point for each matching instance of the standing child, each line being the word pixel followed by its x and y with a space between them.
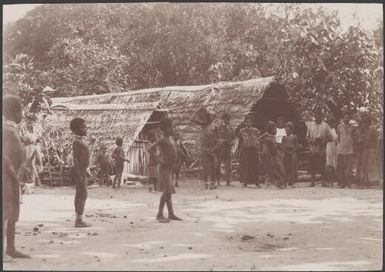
pixel 119 159
pixel 290 146
pixel 152 162
pixel 226 139
pixel 104 167
pixel 182 158
pixel 166 160
pixel 81 158
pixel 345 133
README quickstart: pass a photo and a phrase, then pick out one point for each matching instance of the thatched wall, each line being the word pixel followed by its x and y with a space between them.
pixel 124 114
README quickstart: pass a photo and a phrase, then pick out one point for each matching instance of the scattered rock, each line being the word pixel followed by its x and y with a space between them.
pixel 68 220
pixel 165 256
pixel 131 222
pixel 125 216
pixel 161 247
pixel 286 238
pixel 32 249
pixel 54 232
pixel 216 196
pixel 111 197
pixel 271 236
pixel 290 234
pixel 51 241
pixel 94 234
pixel 22 246
pixel 190 247
pixel 35 229
pixel 247 237
pixel 40 225
pixel 44 260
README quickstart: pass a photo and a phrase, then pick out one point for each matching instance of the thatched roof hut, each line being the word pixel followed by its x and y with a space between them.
pixel 127 114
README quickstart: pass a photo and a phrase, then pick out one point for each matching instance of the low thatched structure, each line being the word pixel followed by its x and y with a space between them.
pixel 129 114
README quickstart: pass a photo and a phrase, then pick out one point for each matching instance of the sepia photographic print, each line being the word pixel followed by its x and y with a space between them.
pixel 192 136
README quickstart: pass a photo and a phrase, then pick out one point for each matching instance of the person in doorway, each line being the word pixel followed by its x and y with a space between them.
pixel 345 133
pixel 152 162
pixel 317 136
pixel 250 152
pixel 13 159
pixel 290 147
pixel 226 139
pixel 274 170
pixel 119 159
pixel 167 160
pixel 81 171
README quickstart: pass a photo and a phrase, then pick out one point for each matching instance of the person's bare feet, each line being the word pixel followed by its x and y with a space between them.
pixel 17 254
pixel 82 224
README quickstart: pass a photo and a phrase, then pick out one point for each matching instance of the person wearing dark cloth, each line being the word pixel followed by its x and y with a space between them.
pixel 80 171
pixel 119 159
pixel 104 167
pixel 250 152
pixel 226 139
pixel 290 147
pixel 13 159
pixel 318 135
pixel 345 133
pixel 166 160
pixel 152 162
pixel 273 168
pixel 368 163
pixel 208 146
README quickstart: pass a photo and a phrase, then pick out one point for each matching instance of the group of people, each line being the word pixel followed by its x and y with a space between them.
pixel 273 152
pixel 271 156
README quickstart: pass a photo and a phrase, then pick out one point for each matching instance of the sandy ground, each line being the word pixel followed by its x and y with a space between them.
pixel 293 229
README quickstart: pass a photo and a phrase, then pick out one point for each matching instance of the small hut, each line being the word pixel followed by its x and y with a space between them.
pixel 130 114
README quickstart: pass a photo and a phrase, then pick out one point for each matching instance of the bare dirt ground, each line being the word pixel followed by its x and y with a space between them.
pixel 231 228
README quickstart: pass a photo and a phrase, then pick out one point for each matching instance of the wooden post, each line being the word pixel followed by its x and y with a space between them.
pixel 49 167
pixel 61 169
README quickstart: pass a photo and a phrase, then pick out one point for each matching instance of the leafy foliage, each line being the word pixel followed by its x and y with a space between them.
pixel 81 49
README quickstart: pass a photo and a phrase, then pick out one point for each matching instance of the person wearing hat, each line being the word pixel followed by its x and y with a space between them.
pixel 13 159
pixel 317 136
pixel 226 139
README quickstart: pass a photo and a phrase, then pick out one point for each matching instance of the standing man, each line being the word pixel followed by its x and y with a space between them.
pixel 13 158
pixel 208 146
pixel 226 138
pixel 317 136
pixel 81 158
pixel 345 132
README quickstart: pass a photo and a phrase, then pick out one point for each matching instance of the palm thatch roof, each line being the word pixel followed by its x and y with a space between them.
pixel 124 114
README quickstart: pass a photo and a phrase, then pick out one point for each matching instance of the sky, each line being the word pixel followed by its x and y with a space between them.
pixel 368 14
